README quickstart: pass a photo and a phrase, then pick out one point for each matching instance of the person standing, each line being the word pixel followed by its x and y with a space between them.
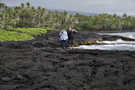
pixel 71 33
pixel 63 38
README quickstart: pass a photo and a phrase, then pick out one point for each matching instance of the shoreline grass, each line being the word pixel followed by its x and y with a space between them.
pixel 21 34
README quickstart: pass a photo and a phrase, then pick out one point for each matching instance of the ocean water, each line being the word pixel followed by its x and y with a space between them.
pixel 119 44
pixel 126 34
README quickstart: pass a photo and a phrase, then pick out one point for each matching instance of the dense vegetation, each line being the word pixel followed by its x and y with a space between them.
pixel 26 15
pixel 13 36
pixel 30 31
pixel 21 34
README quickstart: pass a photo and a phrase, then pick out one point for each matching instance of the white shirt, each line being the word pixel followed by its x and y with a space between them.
pixel 63 35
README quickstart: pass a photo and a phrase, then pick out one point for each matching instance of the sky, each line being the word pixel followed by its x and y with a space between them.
pixel 89 6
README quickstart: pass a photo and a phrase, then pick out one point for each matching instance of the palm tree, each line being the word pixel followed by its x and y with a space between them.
pixel 124 15
pixel 22 5
pixel 28 5
pixel 2 5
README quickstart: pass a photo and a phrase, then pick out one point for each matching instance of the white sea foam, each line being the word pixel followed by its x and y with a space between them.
pixel 121 47
pixel 113 45
pixel 119 41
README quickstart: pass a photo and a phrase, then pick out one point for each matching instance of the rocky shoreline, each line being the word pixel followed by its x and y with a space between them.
pixel 41 64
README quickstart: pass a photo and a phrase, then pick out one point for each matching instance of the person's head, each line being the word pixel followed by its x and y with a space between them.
pixel 62 30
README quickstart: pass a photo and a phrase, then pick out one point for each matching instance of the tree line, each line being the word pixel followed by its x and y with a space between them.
pixel 26 15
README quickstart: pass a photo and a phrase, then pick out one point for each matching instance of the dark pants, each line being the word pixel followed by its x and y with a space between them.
pixel 64 43
pixel 71 41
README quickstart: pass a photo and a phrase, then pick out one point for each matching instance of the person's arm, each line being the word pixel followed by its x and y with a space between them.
pixel 60 34
pixel 74 31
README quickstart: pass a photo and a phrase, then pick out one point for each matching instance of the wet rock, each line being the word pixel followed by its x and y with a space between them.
pixel 16 45
pixel 113 38
pixel 42 64
pixel 5 79
pixel 38 44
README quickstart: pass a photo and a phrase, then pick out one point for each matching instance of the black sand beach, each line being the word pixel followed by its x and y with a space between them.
pixel 42 65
